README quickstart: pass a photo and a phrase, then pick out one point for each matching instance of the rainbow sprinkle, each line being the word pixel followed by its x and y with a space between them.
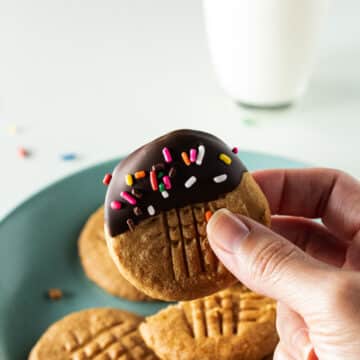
pixel 190 182
pixel 167 182
pixel 167 155
pixel 131 200
pixel 115 205
pixel 185 158
pixel 107 178
pixel 193 155
pixel 151 210
pixel 208 215
pixel 129 180
pixel 201 154
pixel 153 180
pixel 220 178
pixel 172 172
pixel 137 193
pixel 140 174
pixel 225 158
pixel 130 224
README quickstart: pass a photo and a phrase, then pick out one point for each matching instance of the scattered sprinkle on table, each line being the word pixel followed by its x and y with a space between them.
pixel 12 130
pixel 55 294
pixel 22 152
pixel 249 122
pixel 68 156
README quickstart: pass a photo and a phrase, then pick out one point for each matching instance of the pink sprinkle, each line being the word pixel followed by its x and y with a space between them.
pixel 23 153
pixel 128 198
pixel 193 155
pixel 115 205
pixel 235 150
pixel 167 182
pixel 167 155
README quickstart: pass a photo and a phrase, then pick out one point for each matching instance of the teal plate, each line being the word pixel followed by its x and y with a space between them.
pixel 38 251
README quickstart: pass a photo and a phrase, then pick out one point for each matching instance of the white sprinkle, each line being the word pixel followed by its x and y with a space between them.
pixel 190 182
pixel 151 210
pixel 220 178
pixel 201 154
pixel 165 194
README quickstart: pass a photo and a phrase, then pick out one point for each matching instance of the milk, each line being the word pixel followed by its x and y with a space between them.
pixel 263 51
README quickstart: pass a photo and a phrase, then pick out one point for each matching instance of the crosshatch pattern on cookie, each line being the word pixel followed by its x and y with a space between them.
pixel 225 313
pixel 185 231
pixel 93 334
pixel 232 324
pixel 119 340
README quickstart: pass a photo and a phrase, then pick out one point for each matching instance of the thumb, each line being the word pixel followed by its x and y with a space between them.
pixel 266 262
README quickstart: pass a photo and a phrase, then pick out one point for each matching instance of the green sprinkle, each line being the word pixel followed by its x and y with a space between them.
pixel 160 174
pixel 249 122
pixel 161 187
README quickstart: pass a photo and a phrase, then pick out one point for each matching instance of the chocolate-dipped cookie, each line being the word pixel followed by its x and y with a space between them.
pixel 156 209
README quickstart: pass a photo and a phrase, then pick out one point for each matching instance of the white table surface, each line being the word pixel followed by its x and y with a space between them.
pixel 99 78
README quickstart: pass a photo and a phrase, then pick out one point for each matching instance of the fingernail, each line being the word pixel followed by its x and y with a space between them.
pixel 225 230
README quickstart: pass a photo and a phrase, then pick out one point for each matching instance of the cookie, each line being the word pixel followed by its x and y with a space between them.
pixel 99 333
pixel 157 205
pixel 232 324
pixel 97 263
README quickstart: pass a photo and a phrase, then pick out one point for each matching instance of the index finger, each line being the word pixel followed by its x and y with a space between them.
pixel 331 195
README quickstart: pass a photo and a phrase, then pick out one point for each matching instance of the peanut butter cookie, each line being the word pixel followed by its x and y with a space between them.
pixel 99 333
pixel 232 324
pixel 158 203
pixel 97 263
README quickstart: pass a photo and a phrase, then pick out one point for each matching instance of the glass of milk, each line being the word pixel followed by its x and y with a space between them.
pixel 263 51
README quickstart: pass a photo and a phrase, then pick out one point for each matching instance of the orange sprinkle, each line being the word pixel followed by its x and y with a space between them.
pixel 186 159
pixel 139 174
pixel 55 294
pixel 208 215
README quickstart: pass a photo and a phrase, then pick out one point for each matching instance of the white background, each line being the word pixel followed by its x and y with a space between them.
pixel 100 78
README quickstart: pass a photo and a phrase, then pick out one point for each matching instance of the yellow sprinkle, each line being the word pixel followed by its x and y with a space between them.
pixel 12 130
pixel 129 179
pixel 226 159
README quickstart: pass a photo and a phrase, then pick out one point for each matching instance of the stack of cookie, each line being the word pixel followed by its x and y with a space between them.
pixel 157 206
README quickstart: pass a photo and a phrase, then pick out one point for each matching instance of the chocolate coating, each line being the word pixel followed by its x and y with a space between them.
pixel 144 158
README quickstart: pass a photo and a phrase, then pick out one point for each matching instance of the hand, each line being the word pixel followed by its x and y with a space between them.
pixel 311 269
